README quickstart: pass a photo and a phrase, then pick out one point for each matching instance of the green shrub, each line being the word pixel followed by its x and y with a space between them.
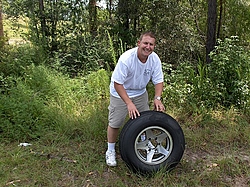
pixel 27 107
pixel 224 82
pixel 229 73
pixel 16 59
pixel 22 113
pixel 45 101
pixel 81 55
pixel 177 86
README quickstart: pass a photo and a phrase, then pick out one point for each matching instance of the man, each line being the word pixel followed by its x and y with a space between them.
pixel 128 94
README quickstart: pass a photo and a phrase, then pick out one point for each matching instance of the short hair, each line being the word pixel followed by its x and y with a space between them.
pixel 147 33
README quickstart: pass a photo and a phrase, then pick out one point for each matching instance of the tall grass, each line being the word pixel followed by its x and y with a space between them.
pixel 47 100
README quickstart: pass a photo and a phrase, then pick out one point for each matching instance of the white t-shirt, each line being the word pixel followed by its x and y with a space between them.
pixel 135 75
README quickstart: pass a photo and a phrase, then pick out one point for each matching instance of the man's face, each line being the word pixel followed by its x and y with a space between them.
pixel 145 46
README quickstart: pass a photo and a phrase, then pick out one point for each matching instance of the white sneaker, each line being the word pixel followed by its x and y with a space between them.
pixel 110 158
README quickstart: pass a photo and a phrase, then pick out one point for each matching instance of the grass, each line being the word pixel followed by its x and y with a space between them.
pixel 73 153
pixel 216 155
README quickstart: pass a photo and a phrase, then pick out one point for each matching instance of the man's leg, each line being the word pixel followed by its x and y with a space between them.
pixel 117 114
pixel 112 134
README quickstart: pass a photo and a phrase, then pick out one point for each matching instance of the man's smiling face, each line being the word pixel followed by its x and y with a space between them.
pixel 145 47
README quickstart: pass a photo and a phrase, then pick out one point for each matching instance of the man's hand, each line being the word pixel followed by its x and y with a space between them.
pixel 132 110
pixel 159 106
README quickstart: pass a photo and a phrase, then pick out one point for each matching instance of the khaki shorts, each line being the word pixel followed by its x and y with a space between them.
pixel 118 109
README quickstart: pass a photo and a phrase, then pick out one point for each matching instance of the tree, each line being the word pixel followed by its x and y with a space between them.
pixel 1 21
pixel 123 17
pixel 220 18
pixel 185 30
pixel 128 14
pixel 109 7
pixel 211 27
pixel 2 39
pixel 43 18
pixel 92 17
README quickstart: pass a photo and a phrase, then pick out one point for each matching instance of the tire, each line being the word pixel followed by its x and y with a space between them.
pixel 162 148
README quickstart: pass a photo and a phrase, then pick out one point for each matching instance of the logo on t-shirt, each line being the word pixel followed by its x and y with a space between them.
pixel 146 72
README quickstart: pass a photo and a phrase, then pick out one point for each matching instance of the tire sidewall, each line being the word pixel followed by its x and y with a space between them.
pixel 147 119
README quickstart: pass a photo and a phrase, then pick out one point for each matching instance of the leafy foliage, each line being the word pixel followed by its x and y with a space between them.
pixel 236 22
pixel 78 56
pixel 21 114
pixel 230 72
pixel 61 28
pixel 224 82
pixel 42 99
pixel 24 112
pixel 16 59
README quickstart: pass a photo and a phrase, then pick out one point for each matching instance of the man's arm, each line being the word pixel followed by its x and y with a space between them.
pixel 158 89
pixel 132 110
pixel 157 103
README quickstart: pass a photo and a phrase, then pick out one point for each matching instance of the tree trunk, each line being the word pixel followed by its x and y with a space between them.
pixel 109 5
pixel 54 20
pixel 220 19
pixel 42 18
pixel 1 21
pixel 211 28
pixel 124 17
pixel 201 33
pixel 92 17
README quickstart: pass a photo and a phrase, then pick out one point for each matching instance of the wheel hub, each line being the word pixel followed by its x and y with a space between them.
pixel 155 147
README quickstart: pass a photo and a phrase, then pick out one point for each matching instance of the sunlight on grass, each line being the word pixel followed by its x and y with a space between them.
pixel 15 30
